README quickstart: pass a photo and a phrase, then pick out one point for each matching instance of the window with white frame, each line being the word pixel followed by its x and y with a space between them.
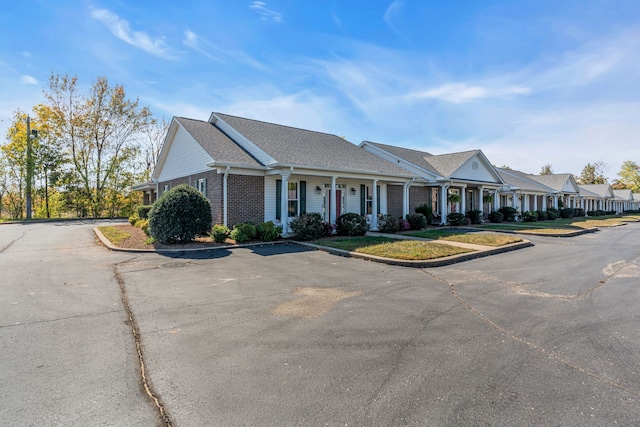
pixel 370 200
pixel 165 187
pixel 293 199
pixel 201 186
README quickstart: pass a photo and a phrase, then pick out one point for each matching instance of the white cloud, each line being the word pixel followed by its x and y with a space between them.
pixel 30 80
pixel 390 15
pixel 212 51
pixel 462 92
pixel 267 14
pixel 120 28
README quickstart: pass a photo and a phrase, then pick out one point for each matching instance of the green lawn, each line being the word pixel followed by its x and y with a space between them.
pixel 114 234
pixel 485 239
pixel 561 225
pixel 392 248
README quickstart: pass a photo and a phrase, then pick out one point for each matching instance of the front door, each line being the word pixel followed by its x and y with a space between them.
pixel 336 204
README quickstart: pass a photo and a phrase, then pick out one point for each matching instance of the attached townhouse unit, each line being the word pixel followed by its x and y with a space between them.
pixel 255 171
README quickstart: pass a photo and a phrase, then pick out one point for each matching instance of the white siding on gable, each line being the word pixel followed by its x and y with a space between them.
pixel 185 157
pixel 475 169
pixel 568 188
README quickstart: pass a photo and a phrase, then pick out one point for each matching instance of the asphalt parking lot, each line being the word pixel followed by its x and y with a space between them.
pixel 284 335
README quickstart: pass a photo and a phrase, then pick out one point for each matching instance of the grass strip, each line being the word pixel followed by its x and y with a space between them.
pixel 114 234
pixel 484 239
pixel 413 250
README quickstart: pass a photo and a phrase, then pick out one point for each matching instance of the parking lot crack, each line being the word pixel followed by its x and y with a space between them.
pixel 511 335
pixel 151 394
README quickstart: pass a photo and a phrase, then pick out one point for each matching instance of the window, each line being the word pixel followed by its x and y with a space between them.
pixel 434 201
pixel 165 188
pixel 370 200
pixel 293 199
pixel 201 186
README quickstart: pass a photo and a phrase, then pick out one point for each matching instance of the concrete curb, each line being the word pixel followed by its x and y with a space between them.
pixel 527 233
pixel 438 262
pixel 405 263
pixel 107 244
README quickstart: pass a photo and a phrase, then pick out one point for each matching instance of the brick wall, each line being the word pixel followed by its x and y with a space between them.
pixel 419 196
pixel 245 198
pixel 394 200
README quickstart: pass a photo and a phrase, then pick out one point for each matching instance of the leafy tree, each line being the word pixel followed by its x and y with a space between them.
pixel 593 174
pixel 630 176
pixel 99 132
pixel 546 170
pixel 152 141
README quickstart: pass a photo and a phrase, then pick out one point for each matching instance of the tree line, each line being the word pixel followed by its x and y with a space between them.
pixel 594 173
pixel 84 151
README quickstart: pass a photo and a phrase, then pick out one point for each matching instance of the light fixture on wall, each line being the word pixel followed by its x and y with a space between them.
pixel 318 189
pixel 353 190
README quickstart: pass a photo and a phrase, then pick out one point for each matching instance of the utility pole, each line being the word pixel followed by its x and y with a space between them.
pixel 29 167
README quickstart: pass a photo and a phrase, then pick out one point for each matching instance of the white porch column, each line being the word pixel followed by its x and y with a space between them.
pixel 332 201
pixel 514 200
pixel 443 203
pixel 496 200
pixel 284 202
pixel 225 206
pixel 555 201
pixel 463 199
pixel 535 202
pixel 481 199
pixel 525 202
pixel 374 207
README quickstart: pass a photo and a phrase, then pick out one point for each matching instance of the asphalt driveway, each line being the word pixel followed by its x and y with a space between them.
pixel 284 335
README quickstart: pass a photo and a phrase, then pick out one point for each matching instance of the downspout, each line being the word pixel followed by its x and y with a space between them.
pixel 224 196
pixel 405 207
pixel 444 202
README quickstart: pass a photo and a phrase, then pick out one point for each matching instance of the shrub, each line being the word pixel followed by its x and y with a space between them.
pixel 327 229
pixel 268 231
pixel 220 233
pixel 529 216
pixel 552 214
pixel 308 226
pixel 417 221
pixel 388 223
pixel 578 212
pixel 566 213
pixel 134 218
pixel 425 210
pixel 509 213
pixel 143 211
pixel 542 215
pixel 457 219
pixel 243 232
pixel 403 224
pixel 180 215
pixel 496 216
pixel 351 224
pixel 475 216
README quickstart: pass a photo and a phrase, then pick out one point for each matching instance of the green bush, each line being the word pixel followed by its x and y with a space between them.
pixel 496 216
pixel 243 232
pixel 542 215
pixel 220 233
pixel 457 219
pixel 475 216
pixel 143 211
pixel 309 226
pixel 388 223
pixel 351 224
pixel 425 210
pixel 417 221
pixel 268 231
pixel 578 212
pixel 552 214
pixel 566 213
pixel 509 213
pixel 180 215
pixel 529 216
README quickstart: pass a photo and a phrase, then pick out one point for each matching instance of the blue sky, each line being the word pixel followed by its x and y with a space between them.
pixel 527 82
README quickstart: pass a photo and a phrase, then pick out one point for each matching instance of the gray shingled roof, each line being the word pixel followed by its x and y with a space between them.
pixel 447 164
pixel 623 194
pixel 288 145
pixel 415 157
pixel 219 146
pixel 601 190
pixel 555 181
pixel 586 193
pixel 521 181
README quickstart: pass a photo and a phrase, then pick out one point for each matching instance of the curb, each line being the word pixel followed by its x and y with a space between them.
pixel 438 262
pixel 533 233
pixel 453 259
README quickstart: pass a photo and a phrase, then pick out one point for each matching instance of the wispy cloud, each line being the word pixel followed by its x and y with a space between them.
pixel 391 13
pixel 121 29
pixel 210 50
pixel 267 14
pixel 30 80
pixel 458 93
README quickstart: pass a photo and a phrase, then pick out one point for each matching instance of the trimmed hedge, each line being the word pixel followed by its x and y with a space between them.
pixel 417 221
pixel 509 213
pixel 309 226
pixel 180 215
pixel 496 216
pixel 542 215
pixel 268 231
pixel 243 232
pixel 425 210
pixel 552 214
pixel 220 233
pixel 529 216
pixel 475 216
pixel 457 219
pixel 388 223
